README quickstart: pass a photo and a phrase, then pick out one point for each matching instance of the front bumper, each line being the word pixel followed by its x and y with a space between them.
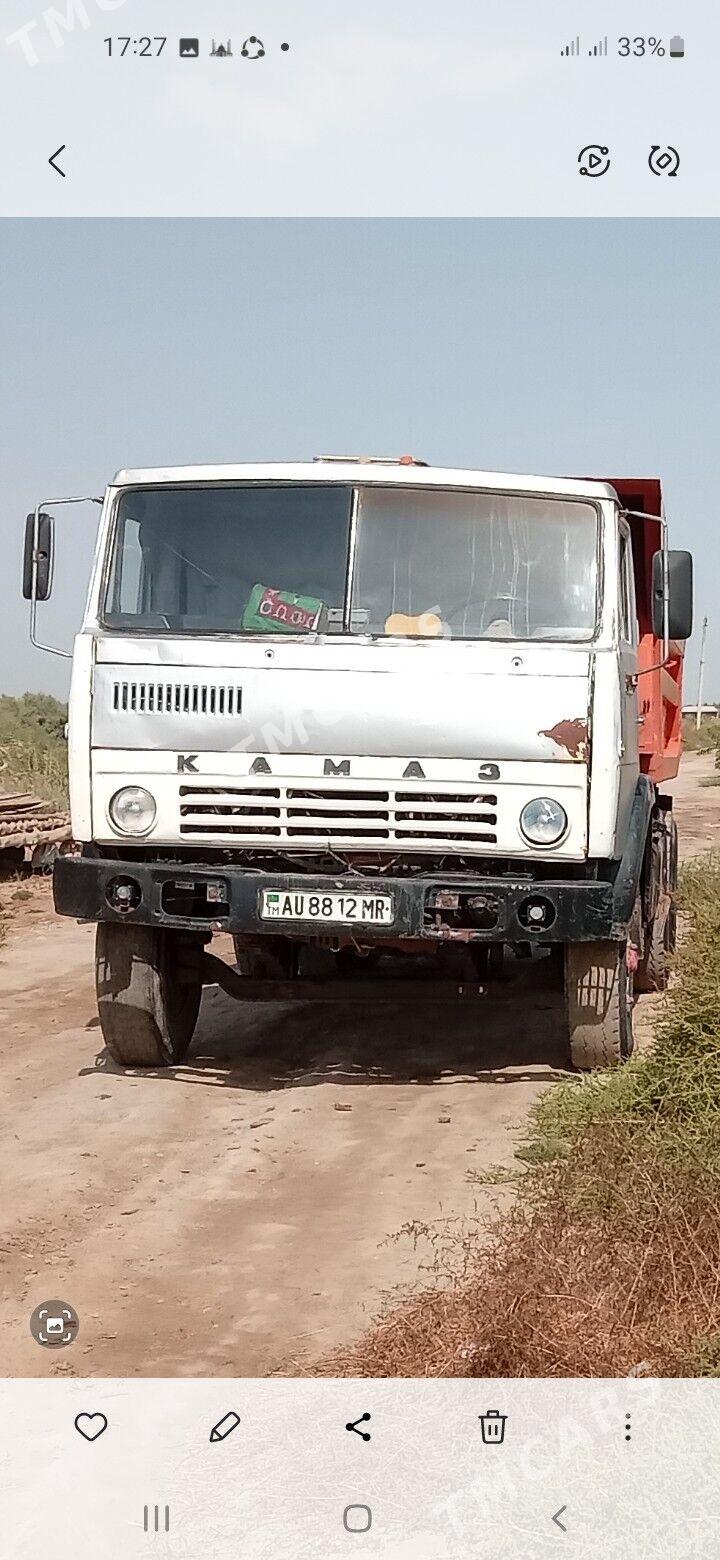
pixel 174 894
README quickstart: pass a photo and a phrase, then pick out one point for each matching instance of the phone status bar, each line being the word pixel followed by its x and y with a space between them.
pixel 252 48
pixel 625 47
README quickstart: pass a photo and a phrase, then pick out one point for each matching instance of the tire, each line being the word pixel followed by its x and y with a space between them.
pixel 598 1004
pixel 673 855
pixel 660 938
pixel 671 924
pixel 147 1014
pixel 653 971
pixel 671 929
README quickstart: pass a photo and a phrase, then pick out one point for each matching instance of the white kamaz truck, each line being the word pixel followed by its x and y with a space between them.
pixel 352 707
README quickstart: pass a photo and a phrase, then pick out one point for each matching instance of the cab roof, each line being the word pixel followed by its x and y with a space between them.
pixel 358 471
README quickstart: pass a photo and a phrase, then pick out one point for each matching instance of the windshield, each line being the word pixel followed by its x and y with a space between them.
pixel 475 565
pixel 277 559
pixel 231 559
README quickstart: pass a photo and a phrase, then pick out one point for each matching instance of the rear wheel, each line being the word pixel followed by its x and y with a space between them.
pixel 148 996
pixel 671 927
pixel 660 936
pixel 653 971
pixel 598 1004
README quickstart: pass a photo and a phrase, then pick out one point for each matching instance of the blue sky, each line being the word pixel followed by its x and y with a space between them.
pixel 550 346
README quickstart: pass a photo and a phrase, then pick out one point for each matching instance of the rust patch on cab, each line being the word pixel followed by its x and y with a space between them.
pixel 572 735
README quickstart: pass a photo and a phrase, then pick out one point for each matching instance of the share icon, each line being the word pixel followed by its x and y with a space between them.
pixel 364 1434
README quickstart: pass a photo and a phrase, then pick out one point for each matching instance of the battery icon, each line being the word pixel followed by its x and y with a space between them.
pixel 677 47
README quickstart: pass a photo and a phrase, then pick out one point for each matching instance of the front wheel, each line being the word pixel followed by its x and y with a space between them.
pixel 148 997
pixel 598 1004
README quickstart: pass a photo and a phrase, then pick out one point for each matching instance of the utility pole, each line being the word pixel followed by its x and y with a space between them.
pixel 701 676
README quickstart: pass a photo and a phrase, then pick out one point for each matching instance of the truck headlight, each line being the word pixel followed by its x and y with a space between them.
pixel 543 821
pixel 132 810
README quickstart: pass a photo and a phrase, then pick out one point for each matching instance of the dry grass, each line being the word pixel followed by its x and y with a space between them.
pixel 609 1261
pixel 554 1295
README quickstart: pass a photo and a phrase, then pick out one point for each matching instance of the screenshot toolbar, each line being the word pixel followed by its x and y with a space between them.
pixel 128 110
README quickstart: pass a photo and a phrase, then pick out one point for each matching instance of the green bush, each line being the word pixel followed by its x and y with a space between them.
pixel 33 751
pixel 33 717
pixel 702 739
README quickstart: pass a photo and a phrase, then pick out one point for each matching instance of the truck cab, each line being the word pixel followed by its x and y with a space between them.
pixel 350 707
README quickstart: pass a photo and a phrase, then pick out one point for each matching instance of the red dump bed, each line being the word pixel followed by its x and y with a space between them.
pixel 659 687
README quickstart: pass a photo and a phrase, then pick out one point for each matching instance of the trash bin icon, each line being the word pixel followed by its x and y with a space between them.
pixel 492 1425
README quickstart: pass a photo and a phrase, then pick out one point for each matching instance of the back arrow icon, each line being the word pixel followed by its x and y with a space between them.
pixel 556 1519
pixel 53 163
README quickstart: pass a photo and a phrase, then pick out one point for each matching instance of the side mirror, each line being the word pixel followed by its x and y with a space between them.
pixel 680 595
pixel 43 578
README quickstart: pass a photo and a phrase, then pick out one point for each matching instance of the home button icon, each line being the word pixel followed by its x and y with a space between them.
pixel 357 1519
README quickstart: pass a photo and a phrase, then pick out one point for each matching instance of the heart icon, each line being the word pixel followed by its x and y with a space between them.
pixel 91 1425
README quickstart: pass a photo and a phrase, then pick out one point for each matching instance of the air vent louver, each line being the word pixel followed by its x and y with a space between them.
pixel 176 698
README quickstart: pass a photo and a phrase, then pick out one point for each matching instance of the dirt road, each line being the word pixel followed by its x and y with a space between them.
pixel 239 1213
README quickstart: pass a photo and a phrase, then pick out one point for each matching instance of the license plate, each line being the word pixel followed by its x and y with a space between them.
pixel 337 909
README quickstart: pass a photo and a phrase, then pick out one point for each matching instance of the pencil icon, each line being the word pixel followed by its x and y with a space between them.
pixel 224 1427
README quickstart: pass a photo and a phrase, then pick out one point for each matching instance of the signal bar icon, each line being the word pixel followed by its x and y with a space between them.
pixel 600 49
pixel 572 48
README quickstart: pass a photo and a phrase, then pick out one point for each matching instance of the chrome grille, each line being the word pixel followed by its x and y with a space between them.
pixel 176 698
pixel 340 815
pixel 230 811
